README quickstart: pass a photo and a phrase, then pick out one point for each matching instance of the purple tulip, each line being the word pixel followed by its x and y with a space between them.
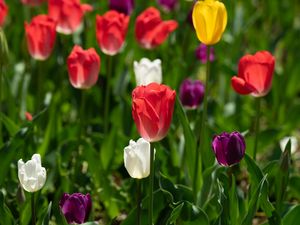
pixel 75 207
pixel 229 148
pixel 123 6
pixel 201 53
pixel 191 93
pixel 167 5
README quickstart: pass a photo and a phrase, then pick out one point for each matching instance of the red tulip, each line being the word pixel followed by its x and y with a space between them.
pixel 40 35
pixel 255 74
pixel 150 30
pixel 111 30
pixel 3 12
pixel 32 2
pixel 152 110
pixel 83 67
pixel 68 14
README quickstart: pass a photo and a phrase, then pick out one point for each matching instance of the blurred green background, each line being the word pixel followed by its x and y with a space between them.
pixel 94 162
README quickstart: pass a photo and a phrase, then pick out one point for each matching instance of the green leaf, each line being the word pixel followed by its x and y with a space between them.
pixel 233 202
pixel 292 216
pixel 47 215
pixel 282 177
pixel 254 203
pixel 175 214
pixel 5 213
pixel 256 174
pixel 10 125
pixel 190 142
pixel 193 215
pixel 90 223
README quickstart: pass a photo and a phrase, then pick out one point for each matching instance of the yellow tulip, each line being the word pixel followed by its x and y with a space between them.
pixel 209 19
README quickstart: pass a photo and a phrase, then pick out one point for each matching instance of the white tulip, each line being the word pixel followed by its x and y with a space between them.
pixel 147 71
pixel 137 158
pixel 285 140
pixel 31 174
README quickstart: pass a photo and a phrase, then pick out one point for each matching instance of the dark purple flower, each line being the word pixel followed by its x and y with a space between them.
pixel 75 207
pixel 229 148
pixel 123 6
pixel 167 5
pixel 201 53
pixel 191 93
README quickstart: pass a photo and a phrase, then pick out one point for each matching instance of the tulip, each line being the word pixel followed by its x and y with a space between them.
pixel 167 5
pixel 75 207
pixel 294 143
pixel 123 6
pixel 137 158
pixel 111 29
pixel 150 30
pixel 191 93
pixel 3 12
pixel 152 110
pixel 255 74
pixel 68 14
pixel 201 53
pixel 147 71
pixel 40 35
pixel 32 175
pixel 210 20
pixel 83 67
pixel 32 2
pixel 229 148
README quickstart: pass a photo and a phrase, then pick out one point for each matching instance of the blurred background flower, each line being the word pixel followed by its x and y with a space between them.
pixel 147 71
pixel 201 53
pixel 123 6
pixel 191 93
pixel 111 30
pixel 150 30
pixel 75 207
pixel 3 12
pixel 40 36
pixel 68 14
pixel 168 5
pixel 83 67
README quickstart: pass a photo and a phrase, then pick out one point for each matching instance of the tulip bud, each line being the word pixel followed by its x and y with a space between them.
pixel 32 175
pixel 137 158
pixel 68 14
pixel 191 93
pixel 152 110
pixel 40 36
pixel 167 5
pixel 147 71
pixel 229 148
pixel 4 53
pixel 255 74
pixel 111 29
pixel 3 12
pixel 210 20
pixel 201 53
pixel 123 6
pixel 75 207
pixel 83 67
pixel 150 30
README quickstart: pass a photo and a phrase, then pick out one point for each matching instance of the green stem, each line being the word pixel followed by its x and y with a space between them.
pixel 1 89
pixel 151 186
pixel 82 108
pixel 107 92
pixel 198 162
pixel 33 218
pixel 139 200
pixel 256 128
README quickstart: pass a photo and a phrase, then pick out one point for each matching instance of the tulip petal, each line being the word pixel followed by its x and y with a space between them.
pixel 240 86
